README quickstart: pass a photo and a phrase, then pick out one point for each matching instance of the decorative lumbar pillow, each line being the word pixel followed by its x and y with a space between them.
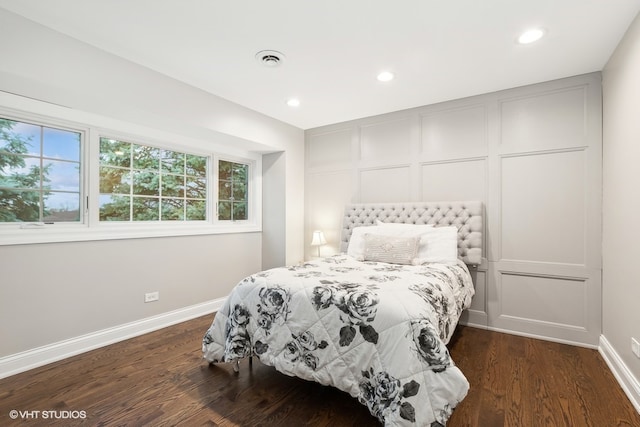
pixel 356 242
pixel 390 249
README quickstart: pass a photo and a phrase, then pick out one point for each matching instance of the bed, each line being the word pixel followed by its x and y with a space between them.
pixel 372 321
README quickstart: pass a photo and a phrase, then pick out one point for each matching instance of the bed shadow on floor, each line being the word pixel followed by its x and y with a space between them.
pixel 258 395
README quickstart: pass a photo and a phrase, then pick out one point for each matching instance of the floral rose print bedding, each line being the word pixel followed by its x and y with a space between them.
pixel 374 330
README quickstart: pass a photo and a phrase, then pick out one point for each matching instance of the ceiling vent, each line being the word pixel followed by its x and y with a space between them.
pixel 270 58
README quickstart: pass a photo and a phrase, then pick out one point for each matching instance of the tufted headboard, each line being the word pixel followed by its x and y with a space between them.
pixel 467 216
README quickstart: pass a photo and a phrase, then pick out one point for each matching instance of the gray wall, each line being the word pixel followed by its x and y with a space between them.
pixel 531 154
pixel 58 291
pixel 621 199
pixel 273 211
pixel 50 292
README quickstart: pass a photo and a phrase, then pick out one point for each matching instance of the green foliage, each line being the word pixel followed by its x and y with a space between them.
pixel 167 182
pixel 115 153
pixel 114 180
pixel 20 189
pixel 137 182
pixel 196 210
pixel 145 157
pixel 232 191
pixel 145 209
pixel 172 162
pixel 196 166
pixel 117 209
pixel 12 145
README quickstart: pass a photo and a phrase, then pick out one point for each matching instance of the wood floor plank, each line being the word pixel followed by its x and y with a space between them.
pixel 160 379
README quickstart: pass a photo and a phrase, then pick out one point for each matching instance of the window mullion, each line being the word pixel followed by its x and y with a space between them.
pixel 41 176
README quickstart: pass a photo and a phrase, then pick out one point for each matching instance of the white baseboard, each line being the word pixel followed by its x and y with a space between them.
pixel 474 318
pixel 20 362
pixel 542 337
pixel 627 381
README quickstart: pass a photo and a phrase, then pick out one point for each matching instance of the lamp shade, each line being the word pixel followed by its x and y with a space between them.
pixel 318 238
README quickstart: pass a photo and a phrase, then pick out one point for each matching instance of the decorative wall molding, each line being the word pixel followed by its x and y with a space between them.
pixel 21 362
pixel 374 139
pixel 391 183
pixel 531 154
pixel 440 128
pixel 542 152
pixel 554 118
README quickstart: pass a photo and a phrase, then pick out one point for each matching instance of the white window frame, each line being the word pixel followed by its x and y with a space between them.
pixel 90 228
pixel 250 188
pixel 95 214
pixel 53 123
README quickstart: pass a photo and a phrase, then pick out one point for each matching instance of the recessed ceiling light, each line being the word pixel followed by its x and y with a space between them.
pixel 531 36
pixel 293 102
pixel 385 76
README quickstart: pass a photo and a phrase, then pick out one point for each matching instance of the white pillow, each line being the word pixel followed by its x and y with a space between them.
pixel 390 249
pixel 438 244
pixel 356 241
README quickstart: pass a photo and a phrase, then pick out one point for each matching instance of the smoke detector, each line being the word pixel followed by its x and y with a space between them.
pixel 270 58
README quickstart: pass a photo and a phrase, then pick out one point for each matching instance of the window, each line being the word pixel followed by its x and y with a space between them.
pixel 233 185
pixel 67 176
pixel 143 183
pixel 40 173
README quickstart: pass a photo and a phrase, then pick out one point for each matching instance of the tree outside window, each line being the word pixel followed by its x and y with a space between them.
pixel 39 173
pixel 47 177
pixel 233 184
pixel 144 183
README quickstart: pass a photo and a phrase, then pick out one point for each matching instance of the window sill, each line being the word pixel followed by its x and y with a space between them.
pixel 59 233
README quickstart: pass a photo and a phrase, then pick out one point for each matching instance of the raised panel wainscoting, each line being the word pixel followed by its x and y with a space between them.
pixel 532 155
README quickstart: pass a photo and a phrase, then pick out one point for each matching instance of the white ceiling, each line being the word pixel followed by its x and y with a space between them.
pixel 438 49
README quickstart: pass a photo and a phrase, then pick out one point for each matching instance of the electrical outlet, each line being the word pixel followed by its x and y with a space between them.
pixel 635 347
pixel 151 296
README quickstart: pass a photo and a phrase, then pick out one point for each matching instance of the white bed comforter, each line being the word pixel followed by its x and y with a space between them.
pixel 374 330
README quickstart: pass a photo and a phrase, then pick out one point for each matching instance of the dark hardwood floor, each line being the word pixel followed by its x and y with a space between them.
pixel 160 379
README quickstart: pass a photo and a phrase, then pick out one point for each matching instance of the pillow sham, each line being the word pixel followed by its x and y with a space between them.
pixel 390 249
pixel 438 244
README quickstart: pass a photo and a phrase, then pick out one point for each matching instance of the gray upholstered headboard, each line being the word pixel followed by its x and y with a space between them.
pixel 467 216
